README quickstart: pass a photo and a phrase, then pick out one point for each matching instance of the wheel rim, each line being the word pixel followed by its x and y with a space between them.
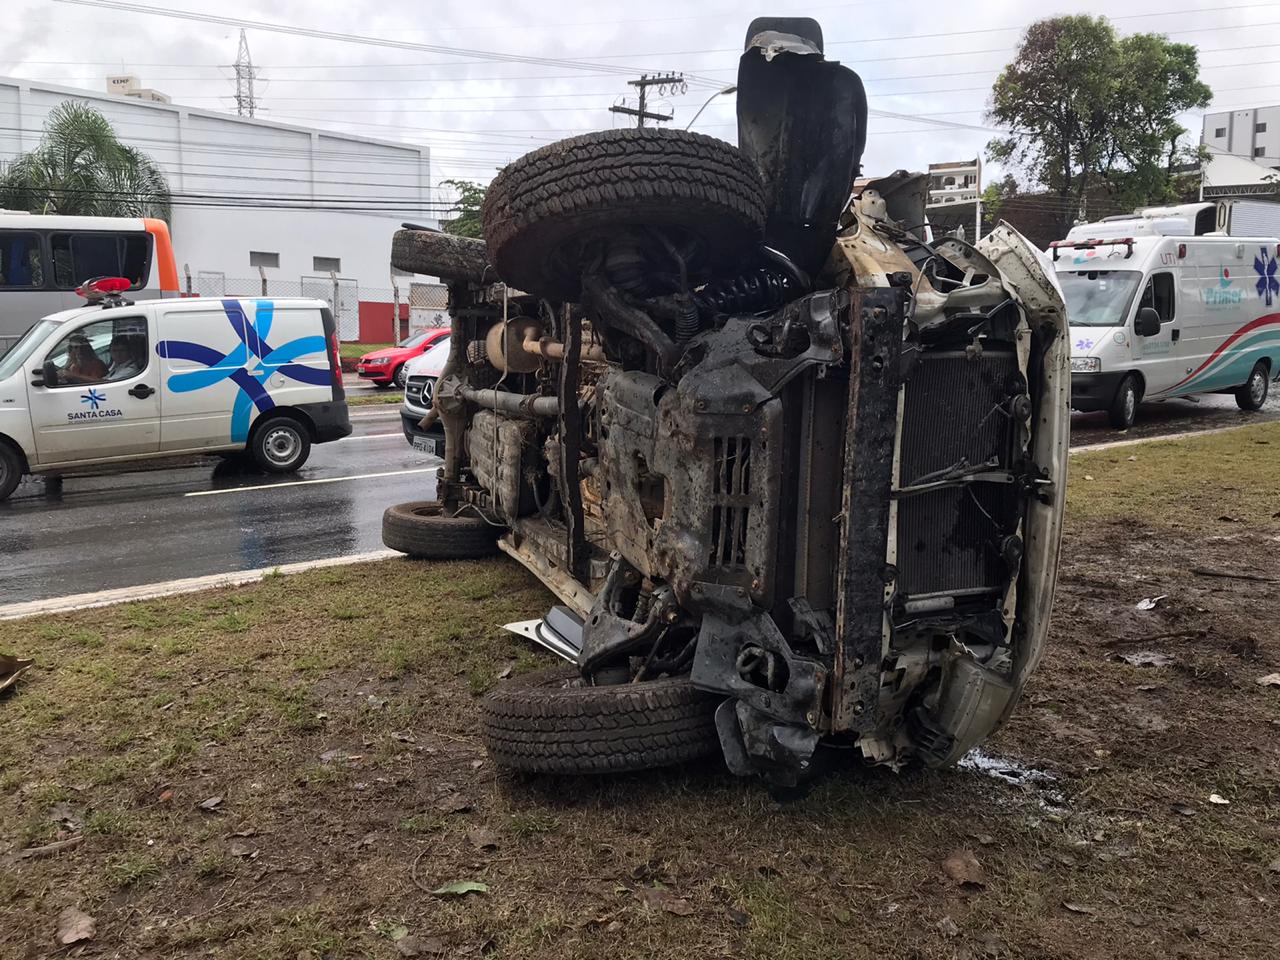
pixel 281 445
pixel 399 378
pixel 4 472
pixel 1130 405
pixel 1257 387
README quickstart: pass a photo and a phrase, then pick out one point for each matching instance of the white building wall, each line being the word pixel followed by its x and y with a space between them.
pixel 1253 134
pixel 219 166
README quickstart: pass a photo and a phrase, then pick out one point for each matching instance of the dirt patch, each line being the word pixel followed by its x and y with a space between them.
pixel 334 714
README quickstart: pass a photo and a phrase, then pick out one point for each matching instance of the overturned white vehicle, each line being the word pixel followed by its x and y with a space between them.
pixel 795 473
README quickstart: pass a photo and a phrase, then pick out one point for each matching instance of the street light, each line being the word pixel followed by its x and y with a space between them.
pixel 731 88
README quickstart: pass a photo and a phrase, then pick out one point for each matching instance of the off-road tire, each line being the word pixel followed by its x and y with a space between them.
pixel 420 530
pixel 540 207
pixel 1123 411
pixel 10 470
pixel 441 255
pixel 280 445
pixel 551 722
pixel 1252 394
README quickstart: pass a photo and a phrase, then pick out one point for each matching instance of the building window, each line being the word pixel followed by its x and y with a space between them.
pixel 1219 132
pixel 1259 151
pixel 1259 128
pixel 260 258
pixel 326 264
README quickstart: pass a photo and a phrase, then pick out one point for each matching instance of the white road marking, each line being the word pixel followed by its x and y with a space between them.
pixel 375 414
pixel 1112 444
pixel 169 588
pixel 304 483
pixel 371 436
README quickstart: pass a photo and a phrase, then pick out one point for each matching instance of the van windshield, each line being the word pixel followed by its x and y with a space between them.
pixel 1098 298
pixel 19 352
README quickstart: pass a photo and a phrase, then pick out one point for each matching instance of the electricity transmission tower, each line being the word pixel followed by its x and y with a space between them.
pixel 663 81
pixel 246 104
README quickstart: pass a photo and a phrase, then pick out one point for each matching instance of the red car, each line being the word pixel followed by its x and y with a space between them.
pixel 387 366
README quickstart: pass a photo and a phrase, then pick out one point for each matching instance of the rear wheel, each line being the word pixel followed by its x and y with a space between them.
pixel 543 213
pixel 280 445
pixel 10 470
pixel 420 529
pixel 1124 408
pixel 1252 394
pixel 553 722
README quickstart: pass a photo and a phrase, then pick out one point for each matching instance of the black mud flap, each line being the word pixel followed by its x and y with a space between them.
pixel 803 121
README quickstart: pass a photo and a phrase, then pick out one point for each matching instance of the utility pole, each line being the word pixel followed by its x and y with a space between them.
pixel 245 72
pixel 674 81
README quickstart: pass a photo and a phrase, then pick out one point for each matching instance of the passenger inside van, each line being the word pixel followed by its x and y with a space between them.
pixel 126 357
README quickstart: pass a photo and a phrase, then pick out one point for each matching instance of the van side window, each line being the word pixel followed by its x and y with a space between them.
pixel 101 352
pixel 1159 293
pixel 21 265
pixel 78 257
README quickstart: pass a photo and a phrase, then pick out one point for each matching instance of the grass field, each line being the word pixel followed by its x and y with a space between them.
pixel 327 722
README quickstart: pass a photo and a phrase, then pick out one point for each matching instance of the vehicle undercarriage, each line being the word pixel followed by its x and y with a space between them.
pixel 794 471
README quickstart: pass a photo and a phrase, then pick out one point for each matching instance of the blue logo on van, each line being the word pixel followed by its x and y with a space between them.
pixel 1265 267
pixel 248 365
pixel 93 398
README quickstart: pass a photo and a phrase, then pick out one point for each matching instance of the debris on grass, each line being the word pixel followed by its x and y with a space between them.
pixel 1081 908
pixel 49 849
pixel 411 945
pixel 460 888
pixel 963 869
pixel 1150 603
pixel 75 926
pixel 11 668
pixel 1219 799
pixel 948 927
pixel 659 898
pixel 1270 680
pixel 1144 658
pixel 210 804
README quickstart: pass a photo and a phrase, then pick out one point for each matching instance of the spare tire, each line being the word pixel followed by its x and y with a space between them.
pixel 540 210
pixel 552 722
pixel 421 530
pixel 441 255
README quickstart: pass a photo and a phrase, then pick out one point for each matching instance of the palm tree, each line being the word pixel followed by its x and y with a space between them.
pixel 81 168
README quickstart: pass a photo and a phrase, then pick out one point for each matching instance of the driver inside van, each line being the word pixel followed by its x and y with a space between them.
pixel 83 363
pixel 126 357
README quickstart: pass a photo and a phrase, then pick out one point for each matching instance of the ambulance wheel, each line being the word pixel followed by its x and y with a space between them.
pixel 280 445
pixel 10 470
pixel 1253 393
pixel 1124 408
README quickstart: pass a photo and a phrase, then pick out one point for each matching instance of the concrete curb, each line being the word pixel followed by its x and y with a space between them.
pixel 170 588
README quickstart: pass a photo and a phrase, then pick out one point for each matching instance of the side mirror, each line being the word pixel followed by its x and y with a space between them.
pixel 50 374
pixel 1147 323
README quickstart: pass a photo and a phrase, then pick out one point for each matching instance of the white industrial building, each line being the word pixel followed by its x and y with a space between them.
pixel 1253 133
pixel 257 200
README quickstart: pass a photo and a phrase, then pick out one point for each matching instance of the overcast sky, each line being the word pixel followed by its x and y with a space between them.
pixel 936 58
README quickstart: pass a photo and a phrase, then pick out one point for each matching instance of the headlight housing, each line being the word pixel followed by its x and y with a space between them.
pixel 377 362
pixel 1086 365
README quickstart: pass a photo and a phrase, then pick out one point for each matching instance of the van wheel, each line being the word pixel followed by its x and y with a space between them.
pixel 1253 393
pixel 1124 408
pixel 280 445
pixel 10 470
pixel 420 529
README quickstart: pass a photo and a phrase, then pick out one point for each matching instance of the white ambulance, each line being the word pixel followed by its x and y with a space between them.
pixel 1162 305
pixel 115 382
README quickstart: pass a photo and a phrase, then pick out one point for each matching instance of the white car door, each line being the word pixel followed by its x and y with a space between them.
pixel 104 401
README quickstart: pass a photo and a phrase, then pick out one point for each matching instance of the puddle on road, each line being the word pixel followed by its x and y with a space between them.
pixel 1016 774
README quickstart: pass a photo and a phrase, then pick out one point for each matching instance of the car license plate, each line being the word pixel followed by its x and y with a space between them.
pixel 431 445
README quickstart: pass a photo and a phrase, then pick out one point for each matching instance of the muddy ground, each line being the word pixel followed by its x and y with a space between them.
pixel 287 770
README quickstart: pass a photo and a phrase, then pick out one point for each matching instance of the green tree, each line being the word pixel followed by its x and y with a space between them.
pixel 467 222
pixel 82 168
pixel 1087 109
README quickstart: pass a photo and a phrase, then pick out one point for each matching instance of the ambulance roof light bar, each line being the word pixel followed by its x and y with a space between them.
pixel 105 290
pixel 1056 245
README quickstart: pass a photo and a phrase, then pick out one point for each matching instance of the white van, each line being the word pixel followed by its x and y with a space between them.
pixel 115 382
pixel 421 374
pixel 1157 311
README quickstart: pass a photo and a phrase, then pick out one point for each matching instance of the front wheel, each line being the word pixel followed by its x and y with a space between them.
pixel 398 378
pixel 1124 408
pixel 280 445
pixel 1252 394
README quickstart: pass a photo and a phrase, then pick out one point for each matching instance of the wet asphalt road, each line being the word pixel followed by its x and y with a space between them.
pixel 209 517
pixel 129 529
